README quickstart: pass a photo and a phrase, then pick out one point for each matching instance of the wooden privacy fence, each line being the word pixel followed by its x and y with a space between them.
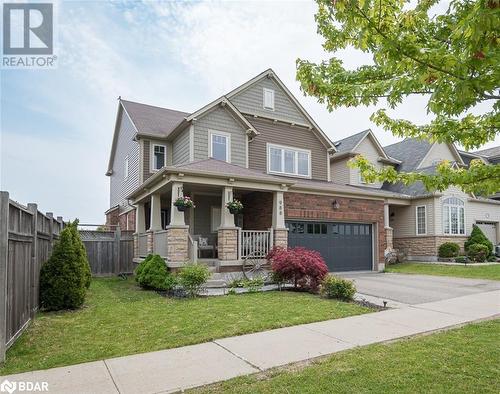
pixel 26 240
pixel 109 252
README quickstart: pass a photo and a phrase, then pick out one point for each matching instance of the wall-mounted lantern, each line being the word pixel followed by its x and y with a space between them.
pixel 335 204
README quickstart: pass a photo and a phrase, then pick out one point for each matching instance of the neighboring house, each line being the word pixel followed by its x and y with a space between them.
pixel 259 145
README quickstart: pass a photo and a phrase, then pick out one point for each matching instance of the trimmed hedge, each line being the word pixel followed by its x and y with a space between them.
pixel 65 276
pixel 449 249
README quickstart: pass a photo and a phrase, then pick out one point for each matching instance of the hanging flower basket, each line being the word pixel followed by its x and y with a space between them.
pixel 234 206
pixel 183 203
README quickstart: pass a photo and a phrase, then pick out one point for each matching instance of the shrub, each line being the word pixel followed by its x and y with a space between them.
pixel 477 237
pixel 140 267
pixel 449 249
pixel 192 277
pixel 335 287
pixel 304 268
pixel 154 274
pixel 478 252
pixel 64 276
pixel 462 259
pixel 253 285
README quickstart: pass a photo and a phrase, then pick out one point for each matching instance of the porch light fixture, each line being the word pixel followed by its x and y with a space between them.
pixel 335 204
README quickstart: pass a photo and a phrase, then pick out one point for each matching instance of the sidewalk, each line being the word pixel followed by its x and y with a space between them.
pixel 191 366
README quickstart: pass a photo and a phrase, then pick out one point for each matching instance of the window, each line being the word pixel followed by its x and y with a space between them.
pixel 220 146
pixel 453 216
pixel 159 157
pixel 125 170
pixel 291 161
pixel 269 99
pixel 421 219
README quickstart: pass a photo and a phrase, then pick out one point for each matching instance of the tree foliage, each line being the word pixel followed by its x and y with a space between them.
pixel 446 52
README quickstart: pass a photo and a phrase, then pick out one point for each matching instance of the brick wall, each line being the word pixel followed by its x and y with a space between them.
pixel 112 217
pixel 258 211
pixel 127 220
pixel 316 207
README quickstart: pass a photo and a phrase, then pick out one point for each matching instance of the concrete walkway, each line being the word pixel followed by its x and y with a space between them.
pixel 191 366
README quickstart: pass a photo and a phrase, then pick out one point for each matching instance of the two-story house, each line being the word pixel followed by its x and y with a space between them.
pixel 258 144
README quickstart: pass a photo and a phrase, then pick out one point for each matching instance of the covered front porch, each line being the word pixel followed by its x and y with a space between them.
pixel 209 232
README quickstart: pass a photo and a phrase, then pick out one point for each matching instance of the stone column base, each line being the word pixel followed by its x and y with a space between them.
pixel 177 244
pixel 280 237
pixel 389 240
pixel 136 245
pixel 228 243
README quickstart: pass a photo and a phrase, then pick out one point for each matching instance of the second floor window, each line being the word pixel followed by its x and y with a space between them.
pixel 289 161
pixel 159 157
pixel 220 146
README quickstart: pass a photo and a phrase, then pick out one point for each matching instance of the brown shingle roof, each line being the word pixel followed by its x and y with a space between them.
pixel 151 120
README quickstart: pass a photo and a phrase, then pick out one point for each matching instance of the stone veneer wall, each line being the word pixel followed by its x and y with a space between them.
pixel 316 207
pixel 425 246
pixel 177 244
pixel 228 244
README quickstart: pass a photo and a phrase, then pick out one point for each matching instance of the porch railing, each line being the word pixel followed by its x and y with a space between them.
pixel 160 243
pixel 254 243
pixel 143 245
pixel 192 249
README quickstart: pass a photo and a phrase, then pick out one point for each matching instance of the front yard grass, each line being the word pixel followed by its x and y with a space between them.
pixel 478 272
pixel 120 319
pixel 463 360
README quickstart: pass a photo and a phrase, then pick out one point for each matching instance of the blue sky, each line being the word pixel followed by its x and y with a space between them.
pixel 57 125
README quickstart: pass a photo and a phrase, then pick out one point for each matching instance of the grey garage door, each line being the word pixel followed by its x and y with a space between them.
pixel 343 246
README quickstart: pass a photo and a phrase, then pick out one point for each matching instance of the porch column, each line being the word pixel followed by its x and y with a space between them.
pixel 177 231
pixel 388 235
pixel 227 233
pixel 280 232
pixel 176 216
pixel 140 226
pixel 155 222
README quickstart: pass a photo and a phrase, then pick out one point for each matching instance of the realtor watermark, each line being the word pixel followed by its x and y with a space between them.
pixel 23 387
pixel 28 35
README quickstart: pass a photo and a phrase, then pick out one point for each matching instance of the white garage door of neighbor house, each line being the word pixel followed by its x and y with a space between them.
pixel 490 230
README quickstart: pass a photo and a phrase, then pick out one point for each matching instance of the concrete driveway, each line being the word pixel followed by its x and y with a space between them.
pixel 418 289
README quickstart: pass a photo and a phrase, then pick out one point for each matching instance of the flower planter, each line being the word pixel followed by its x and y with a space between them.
pixel 181 208
pixel 234 211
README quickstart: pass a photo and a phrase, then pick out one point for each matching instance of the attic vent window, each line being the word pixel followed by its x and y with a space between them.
pixel 269 99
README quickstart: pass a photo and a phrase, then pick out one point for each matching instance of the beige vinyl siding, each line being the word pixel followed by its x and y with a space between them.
pixel 219 119
pixel 403 219
pixel 339 172
pixel 120 188
pixel 368 149
pixel 475 211
pixel 438 152
pixel 251 101
pixel 147 146
pixel 180 148
pixel 283 134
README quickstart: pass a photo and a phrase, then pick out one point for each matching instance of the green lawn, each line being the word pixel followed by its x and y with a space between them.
pixel 120 319
pixel 463 360
pixel 469 271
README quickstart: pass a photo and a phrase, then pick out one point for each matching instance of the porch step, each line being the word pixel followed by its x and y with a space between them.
pixel 215 283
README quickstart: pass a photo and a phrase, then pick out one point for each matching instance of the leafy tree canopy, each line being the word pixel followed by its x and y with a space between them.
pixel 451 57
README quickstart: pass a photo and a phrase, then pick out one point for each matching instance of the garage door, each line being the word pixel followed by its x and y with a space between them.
pixel 490 230
pixel 343 246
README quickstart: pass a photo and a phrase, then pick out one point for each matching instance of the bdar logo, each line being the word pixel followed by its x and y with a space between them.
pixel 7 387
pixel 28 29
